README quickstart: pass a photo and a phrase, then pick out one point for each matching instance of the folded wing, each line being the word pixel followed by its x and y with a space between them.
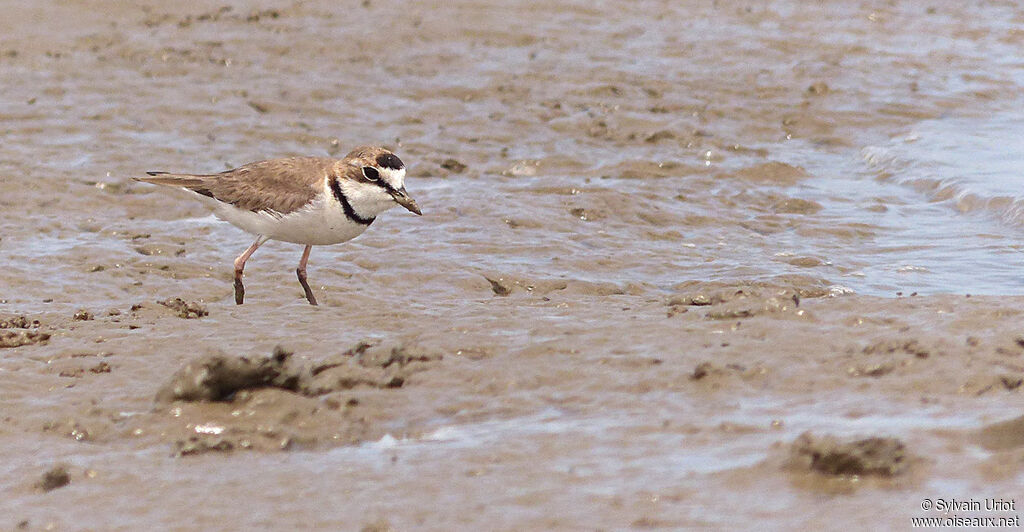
pixel 279 185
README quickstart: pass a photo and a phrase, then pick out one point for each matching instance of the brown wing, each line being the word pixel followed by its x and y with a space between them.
pixel 278 185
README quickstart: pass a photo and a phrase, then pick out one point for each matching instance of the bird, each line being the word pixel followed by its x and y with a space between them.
pixel 314 201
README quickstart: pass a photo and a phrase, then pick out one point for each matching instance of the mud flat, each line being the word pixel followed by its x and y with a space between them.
pixel 655 286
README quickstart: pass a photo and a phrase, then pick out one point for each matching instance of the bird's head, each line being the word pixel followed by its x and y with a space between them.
pixel 376 180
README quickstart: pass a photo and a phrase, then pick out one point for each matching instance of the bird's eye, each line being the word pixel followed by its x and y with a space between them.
pixel 371 173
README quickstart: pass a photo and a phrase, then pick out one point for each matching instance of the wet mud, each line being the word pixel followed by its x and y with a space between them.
pixel 277 403
pixel 58 477
pixel 19 331
pixel 870 456
pixel 655 285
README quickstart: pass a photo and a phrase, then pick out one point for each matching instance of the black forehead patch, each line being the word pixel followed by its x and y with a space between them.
pixel 389 160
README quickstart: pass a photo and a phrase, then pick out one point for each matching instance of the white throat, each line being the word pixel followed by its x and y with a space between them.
pixel 395 178
pixel 366 199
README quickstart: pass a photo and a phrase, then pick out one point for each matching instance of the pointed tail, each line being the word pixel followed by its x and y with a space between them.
pixel 174 180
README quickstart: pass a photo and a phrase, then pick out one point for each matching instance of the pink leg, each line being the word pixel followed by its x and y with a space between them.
pixel 301 272
pixel 240 266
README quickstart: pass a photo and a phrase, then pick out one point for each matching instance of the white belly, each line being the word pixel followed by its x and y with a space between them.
pixel 319 224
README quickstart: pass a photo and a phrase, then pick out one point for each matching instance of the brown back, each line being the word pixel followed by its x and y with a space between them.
pixel 277 185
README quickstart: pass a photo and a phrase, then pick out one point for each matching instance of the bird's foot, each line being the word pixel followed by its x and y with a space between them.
pixel 305 287
pixel 239 291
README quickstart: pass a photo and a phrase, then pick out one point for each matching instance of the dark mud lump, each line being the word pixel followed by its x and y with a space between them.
pixel 884 457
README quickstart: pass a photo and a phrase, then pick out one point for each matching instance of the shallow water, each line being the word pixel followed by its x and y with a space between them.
pixel 973 163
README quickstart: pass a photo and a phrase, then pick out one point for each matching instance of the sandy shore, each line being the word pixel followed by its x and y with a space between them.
pixel 628 304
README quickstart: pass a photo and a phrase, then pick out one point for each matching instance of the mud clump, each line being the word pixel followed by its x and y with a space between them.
pixel 883 457
pixel 819 88
pixel 453 166
pixel 728 302
pixel 224 403
pixel 366 364
pixel 746 308
pixel 184 309
pixel 56 477
pixel 746 303
pixel 583 214
pixel 714 376
pixel 197 445
pixel 1011 382
pixel 703 370
pixel 19 331
pixel 218 377
pixel 500 286
pixel 19 322
pixel 22 337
